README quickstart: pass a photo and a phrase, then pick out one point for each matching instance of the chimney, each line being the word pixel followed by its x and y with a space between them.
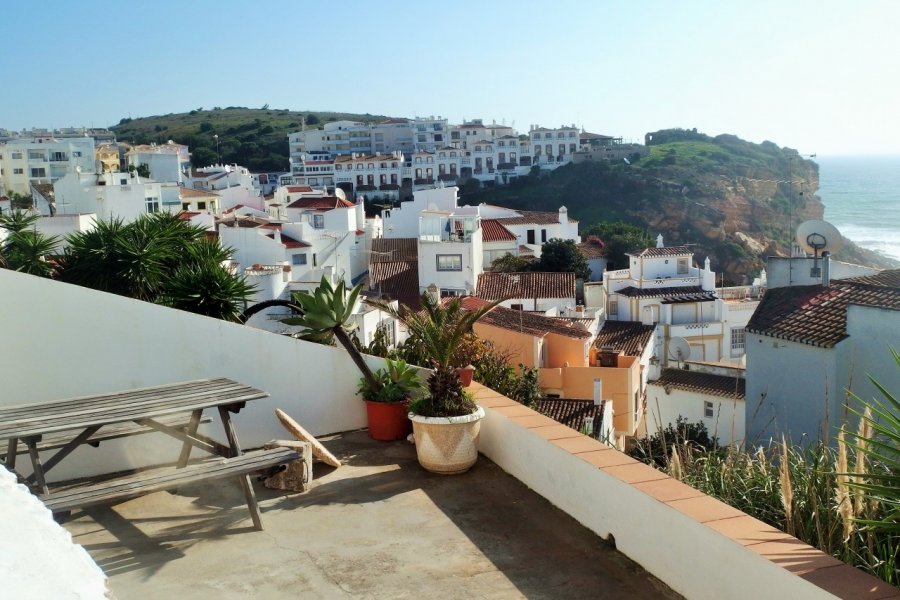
pixel 434 292
pixel 276 235
pixel 598 392
pixel 563 215
pixel 826 268
pixel 659 241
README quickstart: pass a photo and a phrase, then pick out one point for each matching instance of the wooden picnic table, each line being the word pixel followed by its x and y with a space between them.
pixel 136 411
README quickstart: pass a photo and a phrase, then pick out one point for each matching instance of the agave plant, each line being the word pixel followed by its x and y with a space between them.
pixel 325 314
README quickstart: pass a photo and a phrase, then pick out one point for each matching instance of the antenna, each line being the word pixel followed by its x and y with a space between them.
pixel 679 349
pixel 815 237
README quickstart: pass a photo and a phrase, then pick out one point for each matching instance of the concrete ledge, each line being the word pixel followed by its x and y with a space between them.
pixel 699 546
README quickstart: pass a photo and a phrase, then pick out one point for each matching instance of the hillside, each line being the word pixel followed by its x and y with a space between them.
pixel 727 197
pixel 252 137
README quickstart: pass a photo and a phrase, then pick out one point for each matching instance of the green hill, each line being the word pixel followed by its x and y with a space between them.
pixel 728 197
pixel 252 137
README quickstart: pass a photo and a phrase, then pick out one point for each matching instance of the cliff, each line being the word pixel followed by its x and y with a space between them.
pixel 734 201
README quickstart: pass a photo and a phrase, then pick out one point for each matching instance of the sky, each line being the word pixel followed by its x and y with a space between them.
pixel 819 76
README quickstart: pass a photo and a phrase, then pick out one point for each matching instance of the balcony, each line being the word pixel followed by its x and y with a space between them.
pixel 424 181
pixel 527 521
pixel 366 188
pixel 447 177
pixel 389 187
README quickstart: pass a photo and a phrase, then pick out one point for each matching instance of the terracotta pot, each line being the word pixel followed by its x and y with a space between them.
pixel 465 375
pixel 447 445
pixel 387 420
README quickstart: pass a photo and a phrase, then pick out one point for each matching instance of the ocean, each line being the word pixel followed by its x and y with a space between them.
pixel 861 195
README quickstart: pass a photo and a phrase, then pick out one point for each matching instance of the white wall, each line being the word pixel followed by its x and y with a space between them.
pixel 664 407
pixel 782 271
pixel 690 557
pixel 68 341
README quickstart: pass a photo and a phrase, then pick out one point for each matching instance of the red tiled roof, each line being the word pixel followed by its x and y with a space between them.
pixel 192 193
pixel 296 189
pixel 395 122
pixel 666 251
pixel 493 231
pixel 232 209
pixel 631 337
pixel 591 248
pixel 533 218
pixel 817 315
pixel 323 203
pixel 398 280
pixel 703 383
pixel 187 215
pixel 394 249
pixel 670 294
pixel 524 322
pixel 496 286
pixel 572 412
pixel 289 242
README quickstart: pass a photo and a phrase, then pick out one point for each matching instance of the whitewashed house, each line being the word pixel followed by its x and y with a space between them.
pixel 809 344
pixel 664 286
pixel 553 147
pixel 233 185
pixel 107 195
pixel 167 162
pixel 369 175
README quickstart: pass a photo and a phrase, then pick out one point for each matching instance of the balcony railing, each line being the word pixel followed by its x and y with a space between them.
pixel 424 181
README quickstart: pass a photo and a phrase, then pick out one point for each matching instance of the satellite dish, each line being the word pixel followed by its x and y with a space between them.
pixel 338 192
pixel 679 349
pixel 815 237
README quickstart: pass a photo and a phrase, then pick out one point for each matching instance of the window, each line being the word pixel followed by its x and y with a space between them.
pixel 17 156
pixel 76 153
pixel 613 308
pixel 39 172
pixel 543 236
pixel 298 259
pixel 738 339
pixel 36 155
pixel 449 262
pixel 530 236
pixel 18 171
pixel 708 411
pixel 517 306
pixel 537 136
pixel 319 221
pixel 185 206
pixel 682 266
pixel 201 205
pixel 151 204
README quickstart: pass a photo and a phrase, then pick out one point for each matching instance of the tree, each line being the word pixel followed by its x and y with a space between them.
pixel 510 263
pixel 618 238
pixel 25 248
pixel 157 258
pixel 562 256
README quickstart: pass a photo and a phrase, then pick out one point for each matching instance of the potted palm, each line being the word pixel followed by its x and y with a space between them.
pixel 387 403
pixel 446 421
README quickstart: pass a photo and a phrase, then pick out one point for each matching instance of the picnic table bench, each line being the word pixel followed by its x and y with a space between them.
pixel 64 425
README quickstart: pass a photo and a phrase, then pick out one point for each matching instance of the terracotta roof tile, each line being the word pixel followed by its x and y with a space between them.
pixel 572 412
pixel 289 242
pixel 703 383
pixel 526 322
pixel 191 193
pixel 817 315
pixel 631 337
pixel 297 189
pixel 323 203
pixel 666 251
pixel 394 249
pixel 494 231
pixel 398 280
pixel 533 218
pixel 593 247
pixel 496 286
pixel 670 294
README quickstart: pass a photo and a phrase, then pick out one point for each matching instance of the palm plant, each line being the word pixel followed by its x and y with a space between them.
pixel 325 314
pixel 440 329
pixel 25 249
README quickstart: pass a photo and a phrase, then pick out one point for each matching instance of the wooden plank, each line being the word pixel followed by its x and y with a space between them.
pixel 319 451
pixel 249 494
pixel 181 435
pixel 60 454
pixel 191 430
pixel 92 493
pixel 79 419
pixel 107 432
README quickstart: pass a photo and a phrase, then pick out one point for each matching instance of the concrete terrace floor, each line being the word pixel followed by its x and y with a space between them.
pixel 378 527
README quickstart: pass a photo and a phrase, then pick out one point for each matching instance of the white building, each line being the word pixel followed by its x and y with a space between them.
pixel 233 185
pixel 369 175
pixel 37 160
pixel 663 286
pixel 167 162
pixel 704 394
pixel 429 133
pixel 314 168
pixel 808 344
pixel 109 196
pixel 553 147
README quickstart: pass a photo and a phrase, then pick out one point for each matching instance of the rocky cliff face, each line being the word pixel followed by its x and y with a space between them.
pixel 734 201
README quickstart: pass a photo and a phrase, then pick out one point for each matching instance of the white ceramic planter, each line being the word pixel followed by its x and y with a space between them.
pixel 447 445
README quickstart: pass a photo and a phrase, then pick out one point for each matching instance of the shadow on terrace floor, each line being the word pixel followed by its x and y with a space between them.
pixel 378 527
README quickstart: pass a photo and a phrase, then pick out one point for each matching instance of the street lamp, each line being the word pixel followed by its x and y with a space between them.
pixel 791 211
pixel 218 156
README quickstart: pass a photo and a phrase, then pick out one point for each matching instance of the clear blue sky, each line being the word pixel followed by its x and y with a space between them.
pixel 818 76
